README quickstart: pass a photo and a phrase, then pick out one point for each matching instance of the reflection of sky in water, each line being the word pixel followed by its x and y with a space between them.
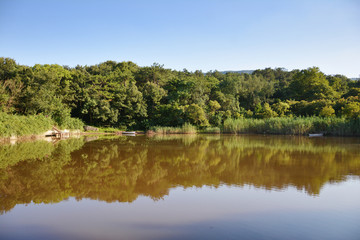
pixel 268 187
pixel 194 213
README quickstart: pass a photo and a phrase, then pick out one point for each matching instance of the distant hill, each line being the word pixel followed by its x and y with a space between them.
pixel 241 71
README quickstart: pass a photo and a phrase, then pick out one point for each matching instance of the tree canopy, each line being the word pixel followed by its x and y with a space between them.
pixel 125 94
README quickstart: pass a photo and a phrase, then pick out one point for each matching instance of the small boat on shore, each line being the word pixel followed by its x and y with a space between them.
pixel 129 133
pixel 316 134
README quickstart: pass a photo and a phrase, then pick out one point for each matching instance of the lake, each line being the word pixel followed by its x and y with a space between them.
pixel 181 187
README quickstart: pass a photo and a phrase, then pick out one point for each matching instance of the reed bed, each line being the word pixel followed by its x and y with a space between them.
pixel 187 128
pixel 295 126
pixel 210 130
pixel 16 125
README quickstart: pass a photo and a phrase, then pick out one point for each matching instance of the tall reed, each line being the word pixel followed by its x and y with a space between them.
pixel 187 128
pixel 295 126
pixel 210 130
pixel 14 125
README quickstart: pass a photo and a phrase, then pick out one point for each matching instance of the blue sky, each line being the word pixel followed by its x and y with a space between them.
pixel 193 34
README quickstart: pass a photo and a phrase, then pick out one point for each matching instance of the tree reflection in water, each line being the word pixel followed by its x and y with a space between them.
pixel 123 168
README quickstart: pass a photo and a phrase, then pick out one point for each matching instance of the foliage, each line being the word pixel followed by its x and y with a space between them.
pixel 295 126
pixel 13 125
pixel 327 111
pixel 122 94
pixel 184 129
pixel 351 110
pixel 111 129
pixel 266 112
pixel 196 115
pixel 311 84
pixel 212 130
pixel 281 108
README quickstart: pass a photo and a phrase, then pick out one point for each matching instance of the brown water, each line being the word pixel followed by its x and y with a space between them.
pixel 181 187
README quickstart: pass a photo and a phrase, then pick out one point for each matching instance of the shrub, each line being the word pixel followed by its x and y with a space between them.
pixel 351 110
pixel 14 125
pixel 327 111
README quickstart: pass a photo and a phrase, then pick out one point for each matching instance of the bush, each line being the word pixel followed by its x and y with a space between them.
pixel 14 125
pixel 196 115
pixel 351 110
pixel 72 123
pixel 213 130
pixel 327 111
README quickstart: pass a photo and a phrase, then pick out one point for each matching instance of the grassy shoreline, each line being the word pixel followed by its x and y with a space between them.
pixel 274 126
pixel 295 126
pixel 14 126
pixel 17 126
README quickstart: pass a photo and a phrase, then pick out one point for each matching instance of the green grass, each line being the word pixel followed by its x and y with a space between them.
pixel 210 130
pixel 294 126
pixel 72 123
pixel 111 129
pixel 184 129
pixel 15 125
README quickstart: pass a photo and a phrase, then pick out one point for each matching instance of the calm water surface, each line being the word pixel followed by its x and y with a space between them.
pixel 181 187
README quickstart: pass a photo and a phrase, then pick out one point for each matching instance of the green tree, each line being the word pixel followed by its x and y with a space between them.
pixel 266 112
pixel 351 110
pixel 311 84
pixel 281 108
pixel 196 115
pixel 327 111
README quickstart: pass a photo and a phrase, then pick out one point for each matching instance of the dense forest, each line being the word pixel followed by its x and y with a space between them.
pixel 125 95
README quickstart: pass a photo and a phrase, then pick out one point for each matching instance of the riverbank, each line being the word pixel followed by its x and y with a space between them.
pixel 34 127
pixel 13 126
pixel 274 126
pixel 295 126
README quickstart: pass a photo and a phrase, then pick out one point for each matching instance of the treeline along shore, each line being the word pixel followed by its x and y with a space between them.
pixel 125 96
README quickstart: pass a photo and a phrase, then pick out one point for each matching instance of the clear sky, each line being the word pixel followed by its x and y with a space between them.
pixel 193 34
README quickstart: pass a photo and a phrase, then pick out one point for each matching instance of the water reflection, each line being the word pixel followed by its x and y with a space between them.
pixel 124 168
